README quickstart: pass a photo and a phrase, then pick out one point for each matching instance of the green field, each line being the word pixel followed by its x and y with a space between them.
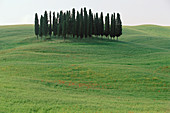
pixel 88 75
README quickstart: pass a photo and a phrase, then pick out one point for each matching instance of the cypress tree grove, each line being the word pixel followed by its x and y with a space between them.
pixel 36 25
pixel 41 26
pixel 81 25
pixel 118 26
pixel 50 29
pixel 73 23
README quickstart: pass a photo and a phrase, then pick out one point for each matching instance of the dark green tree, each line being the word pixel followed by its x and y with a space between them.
pixel 54 25
pixel 50 28
pixel 81 30
pixel 61 17
pixel 64 29
pixel 113 26
pixel 36 25
pixel 90 23
pixel 107 26
pixel 97 25
pixel 45 22
pixel 118 26
pixel 54 21
pixel 77 24
pixel 41 26
pixel 101 24
pixel 73 23
pixel 68 23
pixel 85 22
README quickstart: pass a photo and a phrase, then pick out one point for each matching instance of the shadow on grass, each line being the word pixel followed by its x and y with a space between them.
pixel 74 41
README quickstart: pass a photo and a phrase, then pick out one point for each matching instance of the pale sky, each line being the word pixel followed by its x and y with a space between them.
pixel 133 12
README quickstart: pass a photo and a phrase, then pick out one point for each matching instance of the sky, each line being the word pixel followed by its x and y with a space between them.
pixel 133 12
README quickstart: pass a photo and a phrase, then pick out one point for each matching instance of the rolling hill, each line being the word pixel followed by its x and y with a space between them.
pixel 88 75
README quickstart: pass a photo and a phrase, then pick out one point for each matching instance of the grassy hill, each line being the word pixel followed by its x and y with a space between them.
pixel 88 75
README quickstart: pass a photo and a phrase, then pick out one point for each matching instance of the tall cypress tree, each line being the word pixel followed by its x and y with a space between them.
pixel 107 26
pixel 111 28
pixel 85 22
pixel 54 25
pixel 97 25
pixel 77 25
pixel 41 26
pixel 54 21
pixel 81 30
pixel 114 26
pixel 64 29
pixel 90 23
pixel 60 23
pixel 50 29
pixel 68 23
pixel 45 22
pixel 87 25
pixel 73 23
pixel 101 24
pixel 36 25
pixel 118 26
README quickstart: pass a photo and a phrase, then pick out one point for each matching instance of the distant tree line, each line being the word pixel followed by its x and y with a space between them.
pixel 78 24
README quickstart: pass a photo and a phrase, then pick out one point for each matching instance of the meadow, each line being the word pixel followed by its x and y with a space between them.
pixel 90 75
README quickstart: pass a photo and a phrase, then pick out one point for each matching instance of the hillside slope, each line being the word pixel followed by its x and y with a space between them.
pixel 88 75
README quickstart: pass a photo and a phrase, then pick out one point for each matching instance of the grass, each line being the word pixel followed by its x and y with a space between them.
pixel 88 75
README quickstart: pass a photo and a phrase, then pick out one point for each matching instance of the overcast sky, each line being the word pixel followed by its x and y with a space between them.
pixel 133 12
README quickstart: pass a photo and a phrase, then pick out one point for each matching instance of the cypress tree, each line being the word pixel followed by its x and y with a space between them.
pixel 45 22
pixel 73 23
pixel 90 23
pixel 81 30
pixel 50 29
pixel 36 25
pixel 54 21
pixel 85 22
pixel 41 26
pixel 68 23
pixel 64 29
pixel 97 32
pixel 87 25
pixel 101 24
pixel 113 26
pixel 94 26
pixel 54 25
pixel 60 23
pixel 77 25
pixel 107 26
pixel 118 26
